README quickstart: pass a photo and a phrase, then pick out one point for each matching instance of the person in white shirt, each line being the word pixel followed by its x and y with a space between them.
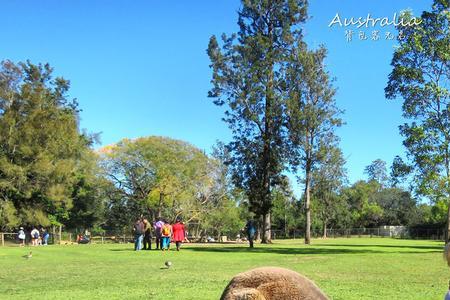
pixel 34 236
pixel 21 236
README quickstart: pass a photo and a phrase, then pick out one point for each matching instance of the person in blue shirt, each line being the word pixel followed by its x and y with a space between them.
pixel 250 229
pixel 45 236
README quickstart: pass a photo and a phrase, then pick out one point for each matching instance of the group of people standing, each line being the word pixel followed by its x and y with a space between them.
pixel 37 236
pixel 164 232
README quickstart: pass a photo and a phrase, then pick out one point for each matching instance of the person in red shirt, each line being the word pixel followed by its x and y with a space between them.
pixel 178 233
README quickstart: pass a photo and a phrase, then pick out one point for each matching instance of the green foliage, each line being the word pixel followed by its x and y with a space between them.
pixel 399 171
pixel 371 205
pixel 286 214
pixel 311 114
pixel 8 215
pixel 398 206
pixel 439 212
pixel 89 194
pixel 327 180
pixel 420 75
pixel 377 171
pixel 158 176
pixel 224 220
pixel 364 210
pixel 40 144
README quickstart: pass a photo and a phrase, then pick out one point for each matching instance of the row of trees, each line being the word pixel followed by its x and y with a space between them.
pixel 369 203
pixel 281 109
pixel 162 177
pixel 50 175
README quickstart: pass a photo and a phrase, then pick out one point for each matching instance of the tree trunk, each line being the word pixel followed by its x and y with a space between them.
pixel 447 170
pixel 308 204
pixel 266 234
pixel 285 224
pixel 268 135
pixel 60 234
pixel 447 232
pixel 161 201
pixel 53 234
pixel 324 229
pixel 258 233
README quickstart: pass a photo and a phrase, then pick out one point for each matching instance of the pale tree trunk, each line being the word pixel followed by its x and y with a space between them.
pixel 266 234
pixel 54 234
pixel 285 223
pixel 308 201
pixel 324 229
pixel 161 201
pixel 447 169
pixel 308 211
pixel 447 232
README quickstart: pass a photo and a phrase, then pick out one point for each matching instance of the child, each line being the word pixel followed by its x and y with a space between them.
pixel 166 232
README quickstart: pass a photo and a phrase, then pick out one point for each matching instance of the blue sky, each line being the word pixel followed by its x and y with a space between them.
pixel 140 68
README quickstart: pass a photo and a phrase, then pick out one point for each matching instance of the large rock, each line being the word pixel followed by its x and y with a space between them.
pixel 271 283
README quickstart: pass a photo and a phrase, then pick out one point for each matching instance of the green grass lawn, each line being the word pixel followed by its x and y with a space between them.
pixel 356 268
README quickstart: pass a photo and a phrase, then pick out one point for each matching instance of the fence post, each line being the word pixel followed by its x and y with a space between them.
pixel 70 237
pixel 102 239
pixel 3 239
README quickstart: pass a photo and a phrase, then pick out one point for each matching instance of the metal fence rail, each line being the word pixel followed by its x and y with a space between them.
pixel 405 233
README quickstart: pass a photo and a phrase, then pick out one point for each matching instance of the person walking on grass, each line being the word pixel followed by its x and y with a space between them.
pixel 179 233
pixel 45 236
pixel 250 229
pixel 138 229
pixel 158 238
pixel 35 236
pixel 166 233
pixel 147 235
pixel 21 236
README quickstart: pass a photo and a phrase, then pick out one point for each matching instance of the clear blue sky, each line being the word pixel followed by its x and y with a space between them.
pixel 140 68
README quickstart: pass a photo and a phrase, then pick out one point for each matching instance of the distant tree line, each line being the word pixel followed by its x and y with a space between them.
pixel 279 104
pixel 51 176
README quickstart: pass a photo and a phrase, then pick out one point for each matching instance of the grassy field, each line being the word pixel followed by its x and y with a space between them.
pixel 356 268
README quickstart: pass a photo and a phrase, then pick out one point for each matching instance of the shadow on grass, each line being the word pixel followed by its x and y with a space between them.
pixel 132 249
pixel 319 250
pixel 124 249
pixel 279 250
pixel 414 247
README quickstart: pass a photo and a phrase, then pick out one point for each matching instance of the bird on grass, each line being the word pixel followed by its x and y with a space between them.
pixel 168 264
pixel 28 256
